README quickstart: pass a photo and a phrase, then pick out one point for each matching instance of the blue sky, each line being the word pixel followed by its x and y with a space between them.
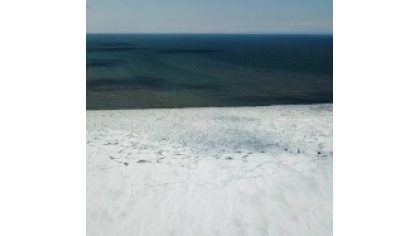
pixel 209 16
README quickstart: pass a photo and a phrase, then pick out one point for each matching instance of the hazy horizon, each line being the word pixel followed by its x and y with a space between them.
pixel 214 33
pixel 209 17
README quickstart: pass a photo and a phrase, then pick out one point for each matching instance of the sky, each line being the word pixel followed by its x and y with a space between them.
pixel 209 16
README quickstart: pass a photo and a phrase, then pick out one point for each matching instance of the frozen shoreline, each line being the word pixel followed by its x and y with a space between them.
pixel 210 171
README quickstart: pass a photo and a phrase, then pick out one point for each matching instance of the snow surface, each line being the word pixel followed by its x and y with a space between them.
pixel 210 171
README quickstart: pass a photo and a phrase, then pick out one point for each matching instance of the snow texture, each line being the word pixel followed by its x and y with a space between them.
pixel 210 171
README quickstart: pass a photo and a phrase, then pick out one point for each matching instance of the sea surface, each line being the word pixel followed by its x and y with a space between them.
pixel 128 71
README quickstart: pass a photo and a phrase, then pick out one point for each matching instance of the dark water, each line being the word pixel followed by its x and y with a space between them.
pixel 156 71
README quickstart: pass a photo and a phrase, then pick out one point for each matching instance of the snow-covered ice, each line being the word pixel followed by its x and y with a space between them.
pixel 210 171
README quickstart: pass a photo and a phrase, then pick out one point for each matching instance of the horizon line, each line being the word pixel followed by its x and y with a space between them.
pixel 218 33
